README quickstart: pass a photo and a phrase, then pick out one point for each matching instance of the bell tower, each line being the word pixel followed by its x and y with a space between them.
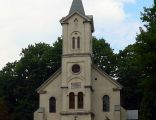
pixel 76 85
pixel 77 30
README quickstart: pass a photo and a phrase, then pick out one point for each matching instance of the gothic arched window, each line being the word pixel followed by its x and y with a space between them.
pixel 52 105
pixel 78 42
pixel 80 100
pixel 71 100
pixel 73 42
pixel 106 103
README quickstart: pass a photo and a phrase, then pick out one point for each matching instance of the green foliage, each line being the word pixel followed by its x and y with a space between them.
pixel 128 74
pixel 19 80
pixel 146 51
pixel 103 56
pixel 7 85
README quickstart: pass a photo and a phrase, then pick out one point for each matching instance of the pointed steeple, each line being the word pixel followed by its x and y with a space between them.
pixel 77 6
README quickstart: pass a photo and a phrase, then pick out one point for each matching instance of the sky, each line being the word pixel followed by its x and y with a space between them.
pixel 25 22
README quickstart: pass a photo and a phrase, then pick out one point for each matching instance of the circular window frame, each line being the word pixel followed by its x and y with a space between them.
pixel 77 70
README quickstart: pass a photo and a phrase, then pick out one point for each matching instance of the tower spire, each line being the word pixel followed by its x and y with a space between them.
pixel 77 6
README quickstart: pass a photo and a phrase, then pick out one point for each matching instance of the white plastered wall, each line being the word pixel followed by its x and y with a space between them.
pixel 102 86
pixel 53 89
pixel 84 30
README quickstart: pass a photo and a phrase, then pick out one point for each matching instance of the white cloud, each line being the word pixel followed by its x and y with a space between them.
pixel 112 23
pixel 24 22
pixel 127 1
pixel 105 11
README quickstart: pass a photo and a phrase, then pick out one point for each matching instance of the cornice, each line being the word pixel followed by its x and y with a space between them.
pixel 89 86
pixel 77 113
pixel 76 55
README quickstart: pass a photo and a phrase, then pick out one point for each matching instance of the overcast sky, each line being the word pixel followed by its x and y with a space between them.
pixel 24 22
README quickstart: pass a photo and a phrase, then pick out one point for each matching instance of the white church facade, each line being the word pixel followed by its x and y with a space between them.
pixel 79 90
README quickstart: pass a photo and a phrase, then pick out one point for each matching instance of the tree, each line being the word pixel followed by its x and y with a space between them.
pixel 7 85
pixel 103 56
pixel 19 80
pixel 128 74
pixel 146 50
pixel 4 114
pixel 37 64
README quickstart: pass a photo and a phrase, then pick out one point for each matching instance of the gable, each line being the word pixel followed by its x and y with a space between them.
pixel 104 77
pixel 86 18
pixel 49 81
pixel 65 19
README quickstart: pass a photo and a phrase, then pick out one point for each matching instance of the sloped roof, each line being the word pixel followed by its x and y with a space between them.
pixel 77 6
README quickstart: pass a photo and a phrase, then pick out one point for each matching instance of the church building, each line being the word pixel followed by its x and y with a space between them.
pixel 79 90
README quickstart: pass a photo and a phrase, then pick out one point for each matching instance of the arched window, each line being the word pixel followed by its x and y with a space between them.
pixel 73 42
pixel 71 100
pixel 78 42
pixel 52 105
pixel 80 100
pixel 106 103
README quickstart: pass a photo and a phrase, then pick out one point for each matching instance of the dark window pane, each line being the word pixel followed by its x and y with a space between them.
pixel 106 103
pixel 73 42
pixel 80 100
pixel 52 104
pixel 71 100
pixel 76 68
pixel 78 42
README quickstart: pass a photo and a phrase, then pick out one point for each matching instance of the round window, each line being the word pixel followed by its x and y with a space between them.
pixel 76 68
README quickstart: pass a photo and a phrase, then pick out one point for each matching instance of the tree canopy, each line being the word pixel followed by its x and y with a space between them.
pixel 4 114
pixel 145 47
pixel 128 74
pixel 103 56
